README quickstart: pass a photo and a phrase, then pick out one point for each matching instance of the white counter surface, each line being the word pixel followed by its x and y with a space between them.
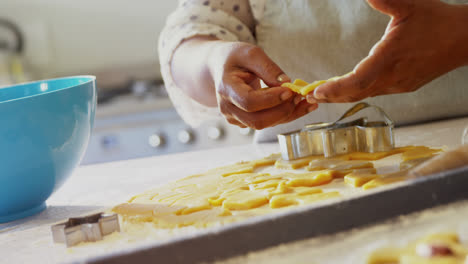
pixel 93 187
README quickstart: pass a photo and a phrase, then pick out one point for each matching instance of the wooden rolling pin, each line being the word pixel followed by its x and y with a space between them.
pixel 446 161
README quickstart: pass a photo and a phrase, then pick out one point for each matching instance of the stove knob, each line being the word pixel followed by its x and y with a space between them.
pixel 109 142
pixel 246 131
pixel 185 136
pixel 156 140
pixel 215 133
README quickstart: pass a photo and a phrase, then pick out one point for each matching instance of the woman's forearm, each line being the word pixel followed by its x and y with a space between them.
pixel 190 70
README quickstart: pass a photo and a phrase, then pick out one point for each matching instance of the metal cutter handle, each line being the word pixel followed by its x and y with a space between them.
pixel 352 111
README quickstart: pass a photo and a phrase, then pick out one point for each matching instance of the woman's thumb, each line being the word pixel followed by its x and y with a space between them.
pixel 393 8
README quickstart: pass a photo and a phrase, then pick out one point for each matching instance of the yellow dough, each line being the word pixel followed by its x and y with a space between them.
pixel 302 87
pixel 359 177
pixel 439 248
pixel 284 200
pixel 224 195
pixel 383 180
pixel 310 179
pixel 372 156
pixel 295 164
pixel 341 167
pixel 249 188
pixel 418 152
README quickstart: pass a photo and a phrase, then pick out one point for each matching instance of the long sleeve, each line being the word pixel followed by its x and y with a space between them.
pixel 226 20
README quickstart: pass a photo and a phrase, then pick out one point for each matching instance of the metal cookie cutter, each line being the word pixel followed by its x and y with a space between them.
pixel 330 139
pixel 87 228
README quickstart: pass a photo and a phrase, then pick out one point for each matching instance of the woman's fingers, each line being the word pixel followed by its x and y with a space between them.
pixel 254 59
pixel 394 8
pixel 233 121
pixel 260 119
pixel 302 109
pixel 283 113
pixel 248 99
pixel 241 99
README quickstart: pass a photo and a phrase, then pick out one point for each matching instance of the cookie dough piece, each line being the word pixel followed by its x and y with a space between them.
pixel 273 183
pixel 385 256
pixel 238 168
pixel 244 166
pixel 302 87
pixel 307 190
pixel 359 177
pixel 134 209
pixel 244 200
pixel 270 160
pixel 205 218
pixel 318 197
pixel 340 166
pixel 255 178
pixel 295 164
pixel 373 156
pixel 310 179
pixel 284 200
pixel 406 165
pixel 383 180
pixel 418 152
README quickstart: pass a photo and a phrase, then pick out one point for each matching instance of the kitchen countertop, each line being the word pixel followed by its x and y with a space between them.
pixel 94 187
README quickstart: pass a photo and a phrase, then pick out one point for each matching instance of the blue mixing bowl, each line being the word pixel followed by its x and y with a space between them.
pixel 44 131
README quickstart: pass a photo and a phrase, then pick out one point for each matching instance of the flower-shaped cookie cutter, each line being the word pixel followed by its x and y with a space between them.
pixel 88 228
pixel 337 138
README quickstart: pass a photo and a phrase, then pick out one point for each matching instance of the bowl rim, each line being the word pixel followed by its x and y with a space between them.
pixel 92 78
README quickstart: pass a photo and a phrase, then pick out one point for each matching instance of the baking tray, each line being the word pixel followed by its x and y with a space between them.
pixel 302 223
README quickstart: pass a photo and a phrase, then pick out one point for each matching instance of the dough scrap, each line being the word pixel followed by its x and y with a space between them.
pixel 339 166
pixel 295 164
pixel 383 180
pixel 418 152
pixel 439 248
pixel 359 177
pixel 303 88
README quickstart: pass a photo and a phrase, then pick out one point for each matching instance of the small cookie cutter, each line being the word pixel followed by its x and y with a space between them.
pixel 331 139
pixel 89 228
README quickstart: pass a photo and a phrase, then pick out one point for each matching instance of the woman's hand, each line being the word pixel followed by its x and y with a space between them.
pixel 236 69
pixel 424 40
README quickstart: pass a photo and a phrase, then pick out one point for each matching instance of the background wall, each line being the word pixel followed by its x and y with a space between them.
pixel 64 37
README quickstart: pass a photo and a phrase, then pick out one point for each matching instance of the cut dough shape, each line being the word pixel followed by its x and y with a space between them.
pixel 340 166
pixel 372 156
pixel 418 152
pixel 244 200
pixel 284 200
pixel 406 165
pixel 383 180
pixel 146 209
pixel 295 164
pixel 241 167
pixel 270 160
pixel 359 177
pixel 309 179
pixel 318 197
